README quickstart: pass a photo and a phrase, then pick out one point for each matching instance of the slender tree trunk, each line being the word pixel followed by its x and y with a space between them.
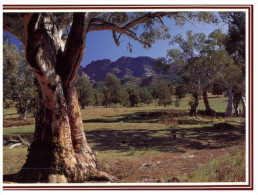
pixel 243 103
pixel 194 106
pixel 229 110
pixel 25 114
pixel 199 88
pixel 208 109
pixel 26 110
pixel 236 101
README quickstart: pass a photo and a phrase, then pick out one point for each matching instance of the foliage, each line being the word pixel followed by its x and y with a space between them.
pixel 165 97
pixel 19 86
pixel 134 97
pixel 97 98
pixel 235 45
pixel 155 93
pixel 113 90
pixel 85 91
pixel 99 86
pixel 125 98
pixel 235 40
pixel 181 91
pixel 217 88
pixel 199 60
pixel 163 65
pixel 106 96
pixel 145 96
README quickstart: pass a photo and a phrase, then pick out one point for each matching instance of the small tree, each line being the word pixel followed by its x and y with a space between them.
pixel 165 97
pixel 85 91
pixel 106 97
pixel 97 98
pixel 134 97
pixel 145 96
pixel 114 88
pixel 155 93
pixel 125 98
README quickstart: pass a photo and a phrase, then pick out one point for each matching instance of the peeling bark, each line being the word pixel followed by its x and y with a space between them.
pixel 59 152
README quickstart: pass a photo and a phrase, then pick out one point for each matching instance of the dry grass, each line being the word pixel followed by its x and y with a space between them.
pixel 153 144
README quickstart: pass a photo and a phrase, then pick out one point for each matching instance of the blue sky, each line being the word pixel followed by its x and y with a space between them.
pixel 100 44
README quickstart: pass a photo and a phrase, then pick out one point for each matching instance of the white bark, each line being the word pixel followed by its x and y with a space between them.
pixel 229 110
pixel 243 103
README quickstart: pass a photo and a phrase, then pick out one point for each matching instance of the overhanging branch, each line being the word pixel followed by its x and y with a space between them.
pixel 97 24
pixel 16 24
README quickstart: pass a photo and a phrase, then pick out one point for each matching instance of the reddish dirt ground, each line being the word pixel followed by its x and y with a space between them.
pixel 165 167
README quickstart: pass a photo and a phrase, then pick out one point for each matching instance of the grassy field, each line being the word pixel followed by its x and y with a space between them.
pixel 154 144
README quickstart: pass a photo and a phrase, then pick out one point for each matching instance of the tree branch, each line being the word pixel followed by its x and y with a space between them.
pixel 16 24
pixel 115 38
pixel 109 26
pixel 97 24
pixel 75 45
pixel 146 18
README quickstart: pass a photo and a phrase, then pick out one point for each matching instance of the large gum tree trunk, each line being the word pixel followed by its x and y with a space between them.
pixel 59 152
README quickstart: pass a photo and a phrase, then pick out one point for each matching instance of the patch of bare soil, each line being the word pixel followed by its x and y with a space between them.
pixel 10 122
pixel 164 167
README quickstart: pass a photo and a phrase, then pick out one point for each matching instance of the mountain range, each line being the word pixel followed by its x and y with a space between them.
pixel 123 68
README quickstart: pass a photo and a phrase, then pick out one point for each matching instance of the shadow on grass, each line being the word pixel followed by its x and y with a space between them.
pixel 137 117
pixel 156 116
pixel 168 140
pixel 221 135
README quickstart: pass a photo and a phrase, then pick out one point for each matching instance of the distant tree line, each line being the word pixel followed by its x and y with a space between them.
pixel 112 92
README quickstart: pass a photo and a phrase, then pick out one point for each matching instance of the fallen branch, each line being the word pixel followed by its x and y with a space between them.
pixel 14 141
pixel 18 143
pixel 22 140
pixel 14 145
